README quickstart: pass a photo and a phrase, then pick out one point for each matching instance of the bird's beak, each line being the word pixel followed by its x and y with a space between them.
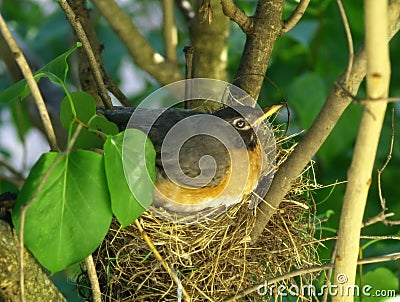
pixel 268 111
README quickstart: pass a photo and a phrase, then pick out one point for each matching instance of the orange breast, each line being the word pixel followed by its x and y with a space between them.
pixel 239 181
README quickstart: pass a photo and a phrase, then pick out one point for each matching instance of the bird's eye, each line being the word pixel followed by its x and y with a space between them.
pixel 240 123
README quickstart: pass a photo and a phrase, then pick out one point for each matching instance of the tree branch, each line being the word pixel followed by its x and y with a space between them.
pixel 349 38
pixel 94 64
pixel 359 173
pixel 94 280
pixel 86 77
pixel 26 71
pixel 267 27
pixel 209 40
pixel 38 287
pixel 237 15
pixel 336 103
pixel 144 55
pixel 291 22
pixel 169 30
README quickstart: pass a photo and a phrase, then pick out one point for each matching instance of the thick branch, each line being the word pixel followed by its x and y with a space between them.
pixel 360 171
pixel 38 286
pixel 144 55
pixel 267 26
pixel 237 15
pixel 335 104
pixel 209 41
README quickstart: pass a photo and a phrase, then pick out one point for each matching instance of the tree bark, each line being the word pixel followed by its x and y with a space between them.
pixel 38 287
pixel 360 171
pixel 209 40
pixel 267 26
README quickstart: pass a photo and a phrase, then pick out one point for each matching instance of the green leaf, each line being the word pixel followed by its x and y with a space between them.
pixel 70 213
pixel 129 202
pixel 56 70
pixel 79 104
pixel 101 124
pixel 82 106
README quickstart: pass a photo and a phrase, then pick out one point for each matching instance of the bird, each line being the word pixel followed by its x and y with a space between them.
pixel 205 162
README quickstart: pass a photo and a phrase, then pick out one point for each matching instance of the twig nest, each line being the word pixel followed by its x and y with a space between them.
pixel 212 259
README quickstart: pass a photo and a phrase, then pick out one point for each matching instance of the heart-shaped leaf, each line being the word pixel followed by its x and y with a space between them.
pixel 69 212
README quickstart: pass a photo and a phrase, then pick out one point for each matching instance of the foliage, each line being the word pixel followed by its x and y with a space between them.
pixel 67 195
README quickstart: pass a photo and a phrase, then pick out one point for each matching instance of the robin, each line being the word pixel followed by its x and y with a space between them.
pixel 204 161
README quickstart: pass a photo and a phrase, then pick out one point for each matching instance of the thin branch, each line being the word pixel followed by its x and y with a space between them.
pixel 154 250
pixel 24 210
pixel 388 158
pixel 329 273
pixel 381 217
pixel 25 207
pixel 238 16
pixel 145 56
pixel 114 89
pixel 291 22
pixel 169 30
pixel 94 281
pixel 383 237
pixel 86 77
pixel 76 24
pixel 189 51
pixel 26 71
pixel 336 103
pixel 349 39
pixel 360 170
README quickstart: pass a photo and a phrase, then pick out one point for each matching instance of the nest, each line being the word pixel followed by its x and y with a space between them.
pixel 211 260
